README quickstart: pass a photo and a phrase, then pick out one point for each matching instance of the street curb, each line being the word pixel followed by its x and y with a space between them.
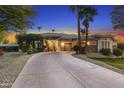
pixel 100 63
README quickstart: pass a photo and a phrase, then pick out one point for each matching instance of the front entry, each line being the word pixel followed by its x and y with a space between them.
pixel 68 47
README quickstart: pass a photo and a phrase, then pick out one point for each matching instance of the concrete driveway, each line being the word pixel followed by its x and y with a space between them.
pixel 61 70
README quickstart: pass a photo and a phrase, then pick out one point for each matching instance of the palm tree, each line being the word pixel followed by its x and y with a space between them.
pixel 79 10
pixel 117 16
pixel 53 30
pixel 87 16
pixel 39 28
pixel 83 32
pixel 15 17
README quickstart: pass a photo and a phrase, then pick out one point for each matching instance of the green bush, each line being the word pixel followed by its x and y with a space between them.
pixel 105 51
pixel 121 46
pixel 82 50
pixel 78 49
pixel 29 51
pixel 117 52
pixel 10 48
pixel 24 49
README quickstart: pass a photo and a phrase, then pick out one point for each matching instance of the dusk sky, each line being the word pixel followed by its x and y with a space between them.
pixel 62 19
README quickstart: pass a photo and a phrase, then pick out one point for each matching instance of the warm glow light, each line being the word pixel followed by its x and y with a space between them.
pixel 11 38
pixel 62 44
pixel 88 43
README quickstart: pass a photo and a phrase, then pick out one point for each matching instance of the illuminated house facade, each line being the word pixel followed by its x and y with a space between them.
pixel 65 42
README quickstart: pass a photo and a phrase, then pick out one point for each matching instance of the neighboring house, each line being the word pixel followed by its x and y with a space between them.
pixel 9 38
pixel 66 42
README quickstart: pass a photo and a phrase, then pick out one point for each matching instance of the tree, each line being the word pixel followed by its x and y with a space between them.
pixel 2 35
pixel 79 11
pixel 15 17
pixel 39 28
pixel 27 41
pixel 87 16
pixel 117 16
pixel 53 30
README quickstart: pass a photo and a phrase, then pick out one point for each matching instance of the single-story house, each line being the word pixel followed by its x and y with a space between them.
pixel 66 42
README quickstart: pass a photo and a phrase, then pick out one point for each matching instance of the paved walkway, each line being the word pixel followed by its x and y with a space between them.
pixel 61 70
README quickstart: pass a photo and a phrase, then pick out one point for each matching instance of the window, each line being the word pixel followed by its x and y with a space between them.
pixel 102 44
pixel 108 44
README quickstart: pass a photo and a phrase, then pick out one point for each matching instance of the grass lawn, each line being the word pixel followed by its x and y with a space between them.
pixel 116 62
pixel 11 65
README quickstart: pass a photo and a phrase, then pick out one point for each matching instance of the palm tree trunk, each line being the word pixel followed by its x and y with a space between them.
pixel 78 28
pixel 86 40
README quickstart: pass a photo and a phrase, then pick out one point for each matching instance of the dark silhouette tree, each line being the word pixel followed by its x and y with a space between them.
pixel 79 10
pixel 117 16
pixel 85 13
pixel 87 16
pixel 53 30
pixel 39 28
pixel 15 17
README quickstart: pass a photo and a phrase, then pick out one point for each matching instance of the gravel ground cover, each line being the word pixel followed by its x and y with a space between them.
pixel 11 65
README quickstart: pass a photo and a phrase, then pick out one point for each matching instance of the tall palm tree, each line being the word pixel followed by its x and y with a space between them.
pixel 53 30
pixel 87 16
pixel 78 9
pixel 15 17
pixel 39 28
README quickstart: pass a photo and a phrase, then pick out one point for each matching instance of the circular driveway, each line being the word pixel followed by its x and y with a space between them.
pixel 61 70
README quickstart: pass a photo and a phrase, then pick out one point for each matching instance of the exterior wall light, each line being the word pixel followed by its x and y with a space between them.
pixel 88 43
pixel 62 44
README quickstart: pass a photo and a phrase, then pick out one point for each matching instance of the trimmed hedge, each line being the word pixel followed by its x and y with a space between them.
pixel 10 48
pixel 105 51
pixel 117 52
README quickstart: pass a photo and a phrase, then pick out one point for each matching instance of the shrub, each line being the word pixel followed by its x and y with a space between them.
pixel 30 50
pixel 24 49
pixel 82 50
pixel 105 51
pixel 78 50
pixel 121 46
pixel 117 52
pixel 10 48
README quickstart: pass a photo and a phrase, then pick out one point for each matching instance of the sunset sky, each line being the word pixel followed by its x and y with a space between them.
pixel 62 19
